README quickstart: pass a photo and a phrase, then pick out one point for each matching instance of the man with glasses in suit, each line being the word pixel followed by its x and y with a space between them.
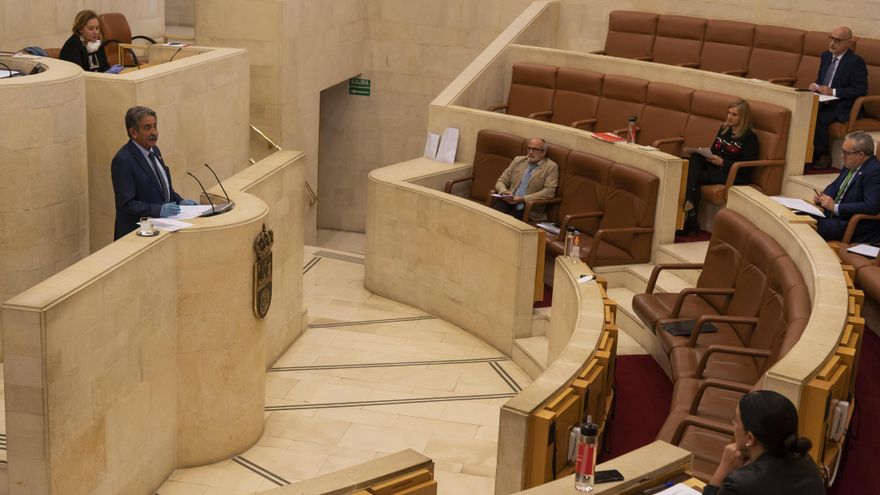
pixel 844 75
pixel 527 178
pixel 856 190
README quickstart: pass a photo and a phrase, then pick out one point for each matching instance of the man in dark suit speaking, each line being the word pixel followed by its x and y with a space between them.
pixel 141 181
pixel 855 190
pixel 842 74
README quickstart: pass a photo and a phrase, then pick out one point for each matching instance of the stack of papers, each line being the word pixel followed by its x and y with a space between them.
pixel 798 205
pixel 864 250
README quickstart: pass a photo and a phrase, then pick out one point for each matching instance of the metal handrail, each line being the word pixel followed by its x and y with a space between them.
pixel 313 197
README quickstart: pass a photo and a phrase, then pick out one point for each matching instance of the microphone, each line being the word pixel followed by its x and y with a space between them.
pixel 213 211
pixel 229 203
pixel 175 54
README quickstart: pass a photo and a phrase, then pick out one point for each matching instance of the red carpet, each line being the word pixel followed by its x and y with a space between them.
pixel 643 396
pixel 699 236
pixel 859 475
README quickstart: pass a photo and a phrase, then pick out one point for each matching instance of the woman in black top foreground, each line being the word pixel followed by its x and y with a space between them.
pixel 767 456
pixel 84 46
pixel 735 142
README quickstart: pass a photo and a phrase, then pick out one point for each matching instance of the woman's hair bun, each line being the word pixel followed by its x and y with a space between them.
pixel 797 445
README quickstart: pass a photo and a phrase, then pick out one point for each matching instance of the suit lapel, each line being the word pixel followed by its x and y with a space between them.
pixel 145 166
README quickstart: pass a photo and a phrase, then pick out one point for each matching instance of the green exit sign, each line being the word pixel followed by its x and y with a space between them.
pixel 360 87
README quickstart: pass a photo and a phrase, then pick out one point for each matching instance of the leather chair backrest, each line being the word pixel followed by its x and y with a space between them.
pixel 622 97
pixel 666 112
pixel 531 89
pixel 776 52
pixel 815 42
pixel 630 201
pixel 495 150
pixel 679 39
pixel 53 52
pixel 708 112
pixel 727 45
pixel 114 26
pixel 630 34
pixel 724 255
pixel 869 49
pixel 761 252
pixel 577 95
pixel 558 154
pixel 584 183
pixel 788 303
pixel 770 123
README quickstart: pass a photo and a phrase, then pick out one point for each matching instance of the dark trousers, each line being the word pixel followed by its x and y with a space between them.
pixel 505 207
pixel 821 141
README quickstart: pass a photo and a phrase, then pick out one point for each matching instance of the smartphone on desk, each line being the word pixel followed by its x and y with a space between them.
pixel 608 476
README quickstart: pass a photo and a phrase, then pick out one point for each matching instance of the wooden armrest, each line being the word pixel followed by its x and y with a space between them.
pixel 545 115
pixel 597 238
pixel 856 108
pixel 728 349
pixel 698 326
pixel 853 221
pixel 677 141
pixel 716 383
pixel 788 80
pixel 709 424
pixel 734 169
pixel 736 72
pixel 698 291
pixel 652 281
pixel 579 123
pixel 498 107
pixel 489 197
pixel 453 182
pixel 529 204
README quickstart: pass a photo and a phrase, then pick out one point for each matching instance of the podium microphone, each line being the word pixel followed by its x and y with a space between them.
pixel 213 211
pixel 229 203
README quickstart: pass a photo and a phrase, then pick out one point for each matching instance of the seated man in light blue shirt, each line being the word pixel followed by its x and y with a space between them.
pixel 527 178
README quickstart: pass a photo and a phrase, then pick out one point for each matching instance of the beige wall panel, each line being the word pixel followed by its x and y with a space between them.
pixel 202 107
pixel 44 191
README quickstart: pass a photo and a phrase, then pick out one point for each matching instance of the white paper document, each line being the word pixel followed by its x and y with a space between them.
pixel 8 73
pixel 864 250
pixel 549 227
pixel 824 98
pixel 190 211
pixel 679 489
pixel 448 146
pixel 704 152
pixel 431 145
pixel 169 225
pixel 798 204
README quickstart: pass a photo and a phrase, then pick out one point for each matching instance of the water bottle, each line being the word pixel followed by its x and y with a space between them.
pixel 569 241
pixel 631 130
pixel 575 248
pixel 585 467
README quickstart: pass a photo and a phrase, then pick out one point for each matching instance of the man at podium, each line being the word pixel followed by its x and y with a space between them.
pixel 141 180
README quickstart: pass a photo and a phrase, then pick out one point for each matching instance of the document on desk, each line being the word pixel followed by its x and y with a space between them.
pixel 798 204
pixel 169 225
pixel 190 211
pixel 824 98
pixel 679 489
pixel 864 250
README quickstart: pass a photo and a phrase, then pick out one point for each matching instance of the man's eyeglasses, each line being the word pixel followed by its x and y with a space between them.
pixel 535 149
pixel 838 40
pixel 847 153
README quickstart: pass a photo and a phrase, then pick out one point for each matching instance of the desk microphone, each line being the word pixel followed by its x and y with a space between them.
pixel 218 182
pixel 213 211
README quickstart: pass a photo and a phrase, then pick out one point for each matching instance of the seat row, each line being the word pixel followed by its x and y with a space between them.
pixel 776 54
pixel 611 204
pixel 753 293
pixel 669 116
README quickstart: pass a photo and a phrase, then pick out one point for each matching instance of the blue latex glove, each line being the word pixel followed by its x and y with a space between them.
pixel 188 202
pixel 116 69
pixel 169 209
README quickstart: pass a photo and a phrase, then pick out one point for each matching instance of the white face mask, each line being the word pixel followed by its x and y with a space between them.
pixel 93 46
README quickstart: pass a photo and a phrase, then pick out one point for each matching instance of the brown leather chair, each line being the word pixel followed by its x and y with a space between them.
pixel 582 185
pixel 776 54
pixel 666 112
pixel 727 46
pixel 622 97
pixel 495 150
pixel 626 225
pixel 577 97
pixel 531 91
pixel 868 49
pixel 115 29
pixel 771 123
pixel 815 42
pixel 679 40
pixel 708 112
pixel 53 52
pixel 630 34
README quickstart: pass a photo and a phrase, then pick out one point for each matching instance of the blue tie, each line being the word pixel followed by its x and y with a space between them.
pixel 523 184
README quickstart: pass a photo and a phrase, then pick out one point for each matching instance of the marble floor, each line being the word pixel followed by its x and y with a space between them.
pixel 369 377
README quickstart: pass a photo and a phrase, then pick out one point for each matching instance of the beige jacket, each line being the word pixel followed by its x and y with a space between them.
pixel 542 184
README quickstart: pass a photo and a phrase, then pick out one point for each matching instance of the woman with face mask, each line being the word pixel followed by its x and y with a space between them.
pixel 84 46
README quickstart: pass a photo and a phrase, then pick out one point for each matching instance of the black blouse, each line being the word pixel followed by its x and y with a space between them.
pixel 75 51
pixel 771 475
pixel 732 149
